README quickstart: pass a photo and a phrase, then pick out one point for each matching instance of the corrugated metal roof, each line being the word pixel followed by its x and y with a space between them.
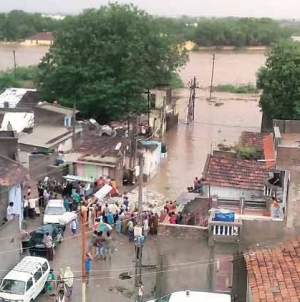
pixel 18 121
pixel 12 96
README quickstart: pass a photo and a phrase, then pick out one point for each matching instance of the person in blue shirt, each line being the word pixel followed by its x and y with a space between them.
pixel 110 218
pixel 126 202
pixel 88 261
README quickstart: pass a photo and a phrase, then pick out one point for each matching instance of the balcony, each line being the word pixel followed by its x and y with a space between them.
pixel 224 232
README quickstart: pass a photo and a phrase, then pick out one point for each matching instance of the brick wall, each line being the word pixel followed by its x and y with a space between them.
pixel 10 243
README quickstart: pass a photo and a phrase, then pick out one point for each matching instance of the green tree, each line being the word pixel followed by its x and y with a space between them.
pixel 104 59
pixel 280 81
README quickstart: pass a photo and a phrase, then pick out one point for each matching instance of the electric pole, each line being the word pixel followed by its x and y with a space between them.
pixel 73 124
pixel 212 76
pixel 83 226
pixel 15 64
pixel 139 244
pixel 191 105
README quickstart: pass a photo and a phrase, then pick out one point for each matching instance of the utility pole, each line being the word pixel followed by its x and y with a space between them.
pixel 73 124
pixel 83 226
pixel 140 200
pixel 139 246
pixel 148 98
pixel 191 105
pixel 15 64
pixel 212 76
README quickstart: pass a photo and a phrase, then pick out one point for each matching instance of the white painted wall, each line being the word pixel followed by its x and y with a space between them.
pixel 66 145
pixel 151 164
pixel 234 193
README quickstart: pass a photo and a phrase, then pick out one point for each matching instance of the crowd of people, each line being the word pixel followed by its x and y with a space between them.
pixel 61 285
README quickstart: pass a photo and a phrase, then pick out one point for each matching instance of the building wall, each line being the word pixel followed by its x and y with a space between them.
pixel 44 117
pixel 37 42
pixel 287 126
pixel 66 146
pixel 287 157
pixel 234 193
pixel 38 165
pixel 95 171
pixel 10 243
pixel 8 146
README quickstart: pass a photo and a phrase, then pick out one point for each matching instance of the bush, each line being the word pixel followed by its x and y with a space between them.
pixel 25 77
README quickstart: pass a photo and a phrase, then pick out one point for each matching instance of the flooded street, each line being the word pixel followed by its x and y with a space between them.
pixel 189 144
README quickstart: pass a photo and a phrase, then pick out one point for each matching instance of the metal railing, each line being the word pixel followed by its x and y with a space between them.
pixel 227 232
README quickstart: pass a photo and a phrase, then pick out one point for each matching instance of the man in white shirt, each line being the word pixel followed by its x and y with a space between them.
pixel 10 213
pixel 32 205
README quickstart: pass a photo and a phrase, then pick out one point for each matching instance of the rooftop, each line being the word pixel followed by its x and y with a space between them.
pixel 11 172
pixel 42 36
pixel 18 121
pixel 12 96
pixel 45 136
pixel 92 144
pixel 273 273
pixel 252 139
pixel 56 108
pixel 235 173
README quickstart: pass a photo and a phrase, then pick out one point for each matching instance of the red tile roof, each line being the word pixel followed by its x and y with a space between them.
pixel 274 273
pixel 269 151
pixel 42 36
pixel 234 173
pixel 11 172
pixel 252 139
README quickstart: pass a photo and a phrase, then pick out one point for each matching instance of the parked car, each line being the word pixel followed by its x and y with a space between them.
pixel 26 280
pixel 36 245
pixel 56 213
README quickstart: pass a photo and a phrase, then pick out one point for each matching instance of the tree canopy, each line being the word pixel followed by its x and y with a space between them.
pixel 105 59
pixel 238 32
pixel 280 81
pixel 18 24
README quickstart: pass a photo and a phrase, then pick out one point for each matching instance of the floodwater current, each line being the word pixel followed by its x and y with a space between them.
pixel 219 121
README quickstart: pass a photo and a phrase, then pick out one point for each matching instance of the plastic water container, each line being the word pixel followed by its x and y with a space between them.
pixel 227 216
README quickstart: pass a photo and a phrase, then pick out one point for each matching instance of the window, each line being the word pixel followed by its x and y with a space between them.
pixel 29 284
pixel 54 211
pixel 45 267
pixel 38 275
pixel 13 287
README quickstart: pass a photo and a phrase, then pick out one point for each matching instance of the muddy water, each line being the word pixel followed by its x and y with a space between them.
pixel 231 67
pixel 189 144
pixel 25 56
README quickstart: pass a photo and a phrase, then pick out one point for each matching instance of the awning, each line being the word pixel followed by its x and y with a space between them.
pixel 78 178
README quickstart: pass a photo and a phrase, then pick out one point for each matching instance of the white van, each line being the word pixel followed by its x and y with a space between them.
pixel 55 213
pixel 25 281
pixel 192 296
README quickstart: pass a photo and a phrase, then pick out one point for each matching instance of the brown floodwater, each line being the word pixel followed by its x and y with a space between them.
pixel 25 55
pixel 189 144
